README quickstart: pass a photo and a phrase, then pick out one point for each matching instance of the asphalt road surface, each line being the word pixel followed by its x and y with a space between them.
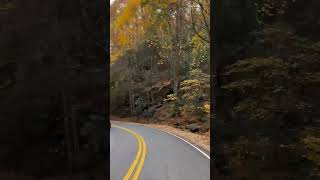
pixel 139 152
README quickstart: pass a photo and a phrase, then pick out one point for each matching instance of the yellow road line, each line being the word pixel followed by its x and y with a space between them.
pixel 142 150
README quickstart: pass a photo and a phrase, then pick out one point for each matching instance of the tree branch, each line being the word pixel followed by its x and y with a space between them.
pixel 194 29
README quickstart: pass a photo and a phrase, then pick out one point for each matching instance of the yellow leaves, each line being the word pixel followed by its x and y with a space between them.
pixel 171 97
pixel 129 27
pixel 312 143
pixel 114 56
pixel 190 84
pixel 123 28
pixel 206 107
pixel 128 13
pixel 123 39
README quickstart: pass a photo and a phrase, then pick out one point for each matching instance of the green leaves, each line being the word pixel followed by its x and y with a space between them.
pixel 194 93
pixel 281 76
pixel 200 54
pixel 257 64
pixel 267 9
pixel 160 53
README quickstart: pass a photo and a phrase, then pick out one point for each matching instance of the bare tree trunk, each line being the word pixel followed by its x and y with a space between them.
pixel 131 95
pixel 173 63
pixel 135 68
pixel 177 48
pixel 130 100
pixel 152 97
pixel 150 78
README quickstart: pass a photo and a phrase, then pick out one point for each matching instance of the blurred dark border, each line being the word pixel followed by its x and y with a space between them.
pixel 54 89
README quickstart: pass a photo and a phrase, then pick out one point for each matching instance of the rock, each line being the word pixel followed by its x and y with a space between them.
pixel 147 113
pixel 177 124
pixel 155 120
pixel 158 106
pixel 203 119
pixel 193 128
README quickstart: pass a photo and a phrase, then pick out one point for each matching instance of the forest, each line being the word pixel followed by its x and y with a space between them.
pixel 52 87
pixel 265 62
pixel 264 66
pixel 160 61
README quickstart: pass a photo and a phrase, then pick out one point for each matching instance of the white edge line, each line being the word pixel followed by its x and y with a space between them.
pixel 187 143
pixel 206 155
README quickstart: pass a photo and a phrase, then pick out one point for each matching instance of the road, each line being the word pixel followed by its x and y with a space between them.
pixel 144 153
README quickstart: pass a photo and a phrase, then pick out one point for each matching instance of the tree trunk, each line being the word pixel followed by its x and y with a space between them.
pixel 131 93
pixel 177 48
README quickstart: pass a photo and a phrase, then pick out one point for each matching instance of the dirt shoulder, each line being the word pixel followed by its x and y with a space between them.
pixel 201 140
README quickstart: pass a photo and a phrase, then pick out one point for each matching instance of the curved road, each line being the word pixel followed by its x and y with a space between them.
pixel 164 156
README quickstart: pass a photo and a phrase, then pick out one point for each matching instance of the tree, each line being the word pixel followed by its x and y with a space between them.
pixel 164 48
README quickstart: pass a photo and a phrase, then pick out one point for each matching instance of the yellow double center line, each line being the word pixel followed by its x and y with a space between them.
pixel 141 155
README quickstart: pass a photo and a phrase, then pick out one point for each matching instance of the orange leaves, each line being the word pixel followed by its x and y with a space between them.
pixel 129 27
pixel 128 12
pixel 121 27
pixel 123 39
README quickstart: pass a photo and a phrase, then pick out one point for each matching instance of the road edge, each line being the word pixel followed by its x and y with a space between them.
pixel 186 141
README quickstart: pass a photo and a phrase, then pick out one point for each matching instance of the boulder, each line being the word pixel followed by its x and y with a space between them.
pixel 193 128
